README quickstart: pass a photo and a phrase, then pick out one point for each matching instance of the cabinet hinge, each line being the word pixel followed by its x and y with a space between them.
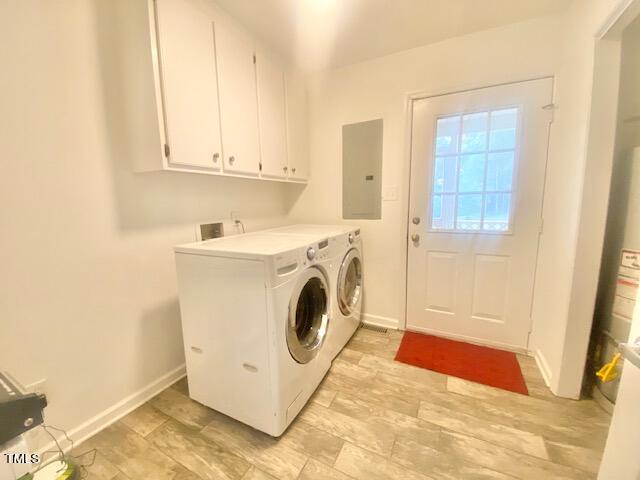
pixel 167 150
pixel 541 225
pixel 254 58
pixel 260 166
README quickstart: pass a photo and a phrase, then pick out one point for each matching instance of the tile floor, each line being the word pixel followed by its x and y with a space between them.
pixel 371 418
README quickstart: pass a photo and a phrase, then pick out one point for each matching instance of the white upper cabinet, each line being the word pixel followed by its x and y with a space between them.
pixel 238 101
pixel 189 84
pixel 297 127
pixel 220 108
pixel 272 118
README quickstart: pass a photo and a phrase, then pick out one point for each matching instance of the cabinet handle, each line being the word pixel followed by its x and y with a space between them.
pixel 231 160
pixel 293 170
pixel 216 156
pixel 285 169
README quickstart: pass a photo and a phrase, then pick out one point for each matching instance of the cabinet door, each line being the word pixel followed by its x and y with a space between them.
pixel 189 83
pixel 272 118
pixel 297 134
pixel 238 101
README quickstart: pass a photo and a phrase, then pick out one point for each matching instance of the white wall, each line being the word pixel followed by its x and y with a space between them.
pixel 87 293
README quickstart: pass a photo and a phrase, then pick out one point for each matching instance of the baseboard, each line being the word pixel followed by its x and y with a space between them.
pixel 543 366
pixel 379 321
pixel 114 413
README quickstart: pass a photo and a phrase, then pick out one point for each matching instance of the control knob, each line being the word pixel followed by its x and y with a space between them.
pixel 311 253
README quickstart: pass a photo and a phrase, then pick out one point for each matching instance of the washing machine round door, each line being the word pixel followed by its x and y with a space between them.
pixel 308 316
pixel 350 283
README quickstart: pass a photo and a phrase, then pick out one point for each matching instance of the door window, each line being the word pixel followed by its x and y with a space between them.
pixel 474 160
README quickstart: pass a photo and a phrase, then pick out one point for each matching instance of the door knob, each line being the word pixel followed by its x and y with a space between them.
pixel 415 220
pixel 415 238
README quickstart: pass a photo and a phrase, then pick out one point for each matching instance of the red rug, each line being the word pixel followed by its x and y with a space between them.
pixel 488 366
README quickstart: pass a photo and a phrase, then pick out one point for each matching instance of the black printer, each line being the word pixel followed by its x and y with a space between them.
pixel 19 411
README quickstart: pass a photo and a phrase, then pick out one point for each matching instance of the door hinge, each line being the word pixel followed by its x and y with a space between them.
pixel 167 150
pixel 254 58
pixel 260 166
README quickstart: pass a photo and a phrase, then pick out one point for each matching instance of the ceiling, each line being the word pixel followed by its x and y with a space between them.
pixel 319 34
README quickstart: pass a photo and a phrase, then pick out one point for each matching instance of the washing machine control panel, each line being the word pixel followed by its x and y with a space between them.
pixel 318 251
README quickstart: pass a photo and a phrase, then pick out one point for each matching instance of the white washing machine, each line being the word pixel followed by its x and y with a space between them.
pixel 255 313
pixel 345 270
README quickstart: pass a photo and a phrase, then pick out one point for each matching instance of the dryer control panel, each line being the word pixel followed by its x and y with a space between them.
pixel 323 252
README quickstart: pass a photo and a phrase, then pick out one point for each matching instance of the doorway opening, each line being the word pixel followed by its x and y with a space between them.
pixel 620 267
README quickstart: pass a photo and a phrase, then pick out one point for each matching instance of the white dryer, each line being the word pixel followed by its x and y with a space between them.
pixel 350 287
pixel 344 265
pixel 255 312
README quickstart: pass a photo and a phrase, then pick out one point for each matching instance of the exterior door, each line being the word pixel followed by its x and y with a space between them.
pixel 477 175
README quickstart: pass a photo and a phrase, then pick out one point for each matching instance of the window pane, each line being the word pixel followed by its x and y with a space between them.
pixel 472 188
pixel 469 212
pixel 500 171
pixel 447 131
pixel 471 173
pixel 496 212
pixel 442 212
pixel 474 132
pixel 503 129
pixel 444 179
pixel 437 206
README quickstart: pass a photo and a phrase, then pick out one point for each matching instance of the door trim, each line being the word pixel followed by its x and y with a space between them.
pixel 410 98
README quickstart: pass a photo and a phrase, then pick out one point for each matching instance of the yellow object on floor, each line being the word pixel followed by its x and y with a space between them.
pixel 608 371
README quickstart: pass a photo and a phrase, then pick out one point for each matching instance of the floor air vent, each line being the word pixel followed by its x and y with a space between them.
pixel 373 328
